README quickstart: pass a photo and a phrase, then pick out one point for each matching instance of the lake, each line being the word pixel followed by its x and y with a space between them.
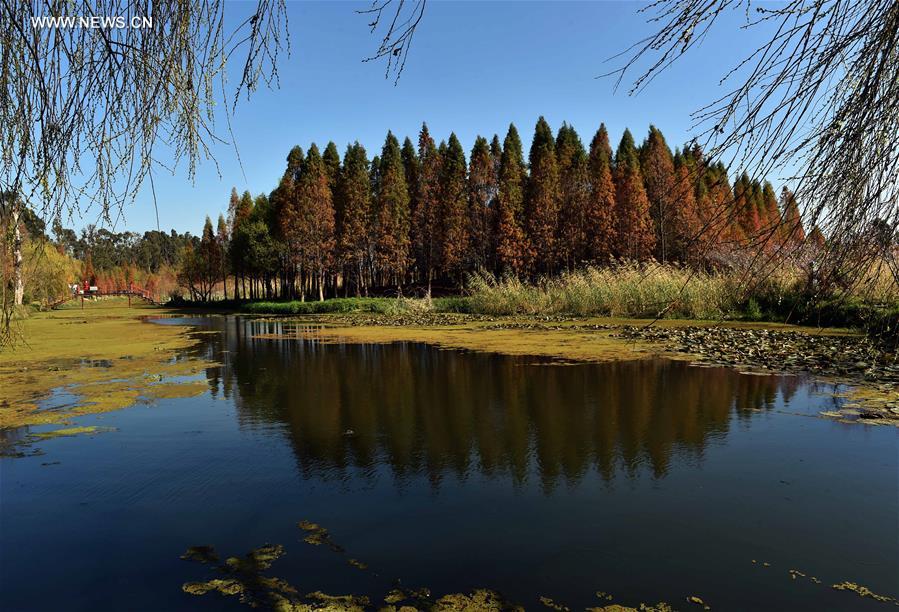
pixel 650 480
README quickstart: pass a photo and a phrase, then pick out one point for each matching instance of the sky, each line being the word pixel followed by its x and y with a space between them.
pixel 474 67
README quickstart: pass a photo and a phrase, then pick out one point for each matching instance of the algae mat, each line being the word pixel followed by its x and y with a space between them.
pixel 571 345
pixel 104 357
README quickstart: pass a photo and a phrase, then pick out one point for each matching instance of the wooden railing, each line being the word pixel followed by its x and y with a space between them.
pixel 132 292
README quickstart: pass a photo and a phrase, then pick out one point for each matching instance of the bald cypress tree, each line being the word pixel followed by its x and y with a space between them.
pixel 223 239
pixel 574 196
pixel 635 236
pixel 425 218
pixel 331 161
pixel 657 165
pixel 453 209
pixel 512 250
pixel 770 214
pixel 687 225
pixel 542 198
pixel 392 214
pixel 792 231
pixel 599 216
pixel 354 224
pixel 481 209
pixel 315 226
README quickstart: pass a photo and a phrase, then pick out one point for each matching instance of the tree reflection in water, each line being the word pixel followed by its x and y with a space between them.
pixel 423 410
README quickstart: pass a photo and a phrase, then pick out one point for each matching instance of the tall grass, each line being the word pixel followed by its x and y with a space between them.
pixel 626 290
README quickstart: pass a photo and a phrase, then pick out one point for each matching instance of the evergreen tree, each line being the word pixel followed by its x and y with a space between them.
pixel 392 214
pixel 634 232
pixel 657 166
pixel 453 209
pixel 542 198
pixel 599 217
pixel 512 251
pixel 575 193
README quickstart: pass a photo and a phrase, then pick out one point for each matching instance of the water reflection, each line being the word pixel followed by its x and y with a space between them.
pixel 421 410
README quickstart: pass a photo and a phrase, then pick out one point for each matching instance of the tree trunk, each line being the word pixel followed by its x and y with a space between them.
pixel 17 253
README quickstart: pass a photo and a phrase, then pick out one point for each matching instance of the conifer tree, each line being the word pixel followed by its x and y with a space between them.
pixel 792 231
pixel 222 238
pixel 542 198
pixel 412 168
pixel 745 212
pixel 315 224
pixel 686 223
pixel 512 250
pixel 770 215
pixel 600 217
pixel 481 209
pixel 392 214
pixel 453 209
pixel 425 220
pixel 657 166
pixel 574 196
pixel 331 161
pixel 354 190
pixel 635 236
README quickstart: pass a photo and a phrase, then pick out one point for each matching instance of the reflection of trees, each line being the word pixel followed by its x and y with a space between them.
pixel 418 409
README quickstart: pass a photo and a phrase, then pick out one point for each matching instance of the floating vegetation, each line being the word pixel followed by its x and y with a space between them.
pixel 86 360
pixel 318 535
pixel 794 574
pixel 243 577
pixel 693 599
pixel 357 563
pixel 549 603
pixel 201 554
pixel 659 607
pixel 604 595
pixel 71 431
pixel 481 599
pixel 863 592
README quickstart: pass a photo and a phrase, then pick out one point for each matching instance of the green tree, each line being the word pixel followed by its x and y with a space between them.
pixel 542 198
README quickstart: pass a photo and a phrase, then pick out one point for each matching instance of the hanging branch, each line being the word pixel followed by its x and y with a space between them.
pixel 404 18
pixel 821 95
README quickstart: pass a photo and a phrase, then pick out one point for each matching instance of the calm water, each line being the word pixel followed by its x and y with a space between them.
pixel 650 480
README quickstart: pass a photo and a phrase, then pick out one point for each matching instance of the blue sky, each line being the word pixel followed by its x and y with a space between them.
pixel 474 68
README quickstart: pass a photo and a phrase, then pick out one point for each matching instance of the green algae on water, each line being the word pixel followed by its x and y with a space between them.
pixel 71 431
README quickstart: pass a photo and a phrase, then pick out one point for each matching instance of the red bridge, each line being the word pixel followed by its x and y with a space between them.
pixel 88 291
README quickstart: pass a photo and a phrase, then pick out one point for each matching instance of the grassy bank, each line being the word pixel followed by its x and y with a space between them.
pixel 635 291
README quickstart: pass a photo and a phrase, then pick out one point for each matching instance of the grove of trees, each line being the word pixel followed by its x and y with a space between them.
pixel 416 215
